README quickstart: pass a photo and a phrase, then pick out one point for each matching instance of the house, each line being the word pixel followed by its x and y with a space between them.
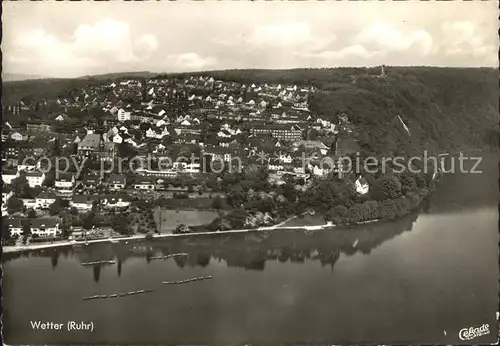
pixel 285 158
pixel 29 203
pixel 163 173
pixel 91 180
pixel 218 153
pixel 35 178
pixel 115 202
pixel 279 131
pixel 37 126
pixel 6 195
pixel 184 167
pixel 46 226
pixel 61 117
pixel 116 181
pixel 83 202
pixel 117 138
pixel 9 175
pixel 317 145
pixel 17 136
pixel 64 181
pixel 90 144
pixel 122 115
pixel 44 200
pixel 27 164
pixel 362 186
pixel 144 184
pixel 14 226
pixel 320 170
pixel 108 151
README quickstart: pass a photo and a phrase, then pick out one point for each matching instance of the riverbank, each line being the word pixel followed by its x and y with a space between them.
pixel 10 249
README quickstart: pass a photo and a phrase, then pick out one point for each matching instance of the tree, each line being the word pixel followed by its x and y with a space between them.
pixel 337 214
pixel 387 187
pixel 88 220
pixel 31 213
pixel 26 230
pixel 182 228
pixel 121 224
pixel 14 205
pixel 50 179
pixel 56 207
pixel 20 186
pixel 217 202
pixel 66 228
pixel 5 231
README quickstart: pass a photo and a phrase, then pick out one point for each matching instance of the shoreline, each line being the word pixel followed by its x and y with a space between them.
pixel 12 249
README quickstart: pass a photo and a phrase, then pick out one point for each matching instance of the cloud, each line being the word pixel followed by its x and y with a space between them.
pixel 287 35
pixel 388 39
pixel 191 61
pixel 464 37
pixel 104 43
pixel 354 51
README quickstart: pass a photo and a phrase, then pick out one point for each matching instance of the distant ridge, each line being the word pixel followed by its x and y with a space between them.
pixel 118 75
pixel 13 77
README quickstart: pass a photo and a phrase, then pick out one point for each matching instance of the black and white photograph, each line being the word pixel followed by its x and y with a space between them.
pixel 250 172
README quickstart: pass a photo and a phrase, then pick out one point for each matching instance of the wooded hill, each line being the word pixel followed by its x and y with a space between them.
pixel 445 109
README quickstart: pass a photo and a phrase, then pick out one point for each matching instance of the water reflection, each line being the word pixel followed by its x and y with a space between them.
pixel 249 251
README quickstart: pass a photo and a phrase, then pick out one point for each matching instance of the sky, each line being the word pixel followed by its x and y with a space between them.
pixel 70 39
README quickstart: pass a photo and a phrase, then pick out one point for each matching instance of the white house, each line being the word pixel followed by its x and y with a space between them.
pixel 27 165
pixel 47 226
pixel 61 117
pixel 150 133
pixel 285 158
pixel 35 178
pixel 161 123
pixel 17 136
pixel 15 226
pixel 362 186
pixel 117 202
pixel 117 138
pixel 44 200
pixel 29 203
pixel 122 115
pixel 116 181
pixel 65 181
pixel 187 167
pixel 9 175
pixel 144 184
pixel 82 202
pixel 5 198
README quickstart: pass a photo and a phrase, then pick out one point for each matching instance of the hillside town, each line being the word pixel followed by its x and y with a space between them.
pixel 74 166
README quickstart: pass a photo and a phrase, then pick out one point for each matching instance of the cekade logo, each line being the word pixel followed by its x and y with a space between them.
pixel 471 333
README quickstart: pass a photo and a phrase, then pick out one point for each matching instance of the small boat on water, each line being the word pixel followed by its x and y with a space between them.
pixel 98 262
pixel 119 295
pixel 355 243
pixel 187 280
pixel 169 256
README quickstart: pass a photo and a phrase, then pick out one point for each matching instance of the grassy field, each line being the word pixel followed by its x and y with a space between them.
pixel 170 219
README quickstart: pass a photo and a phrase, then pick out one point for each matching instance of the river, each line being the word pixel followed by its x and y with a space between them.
pixel 420 279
